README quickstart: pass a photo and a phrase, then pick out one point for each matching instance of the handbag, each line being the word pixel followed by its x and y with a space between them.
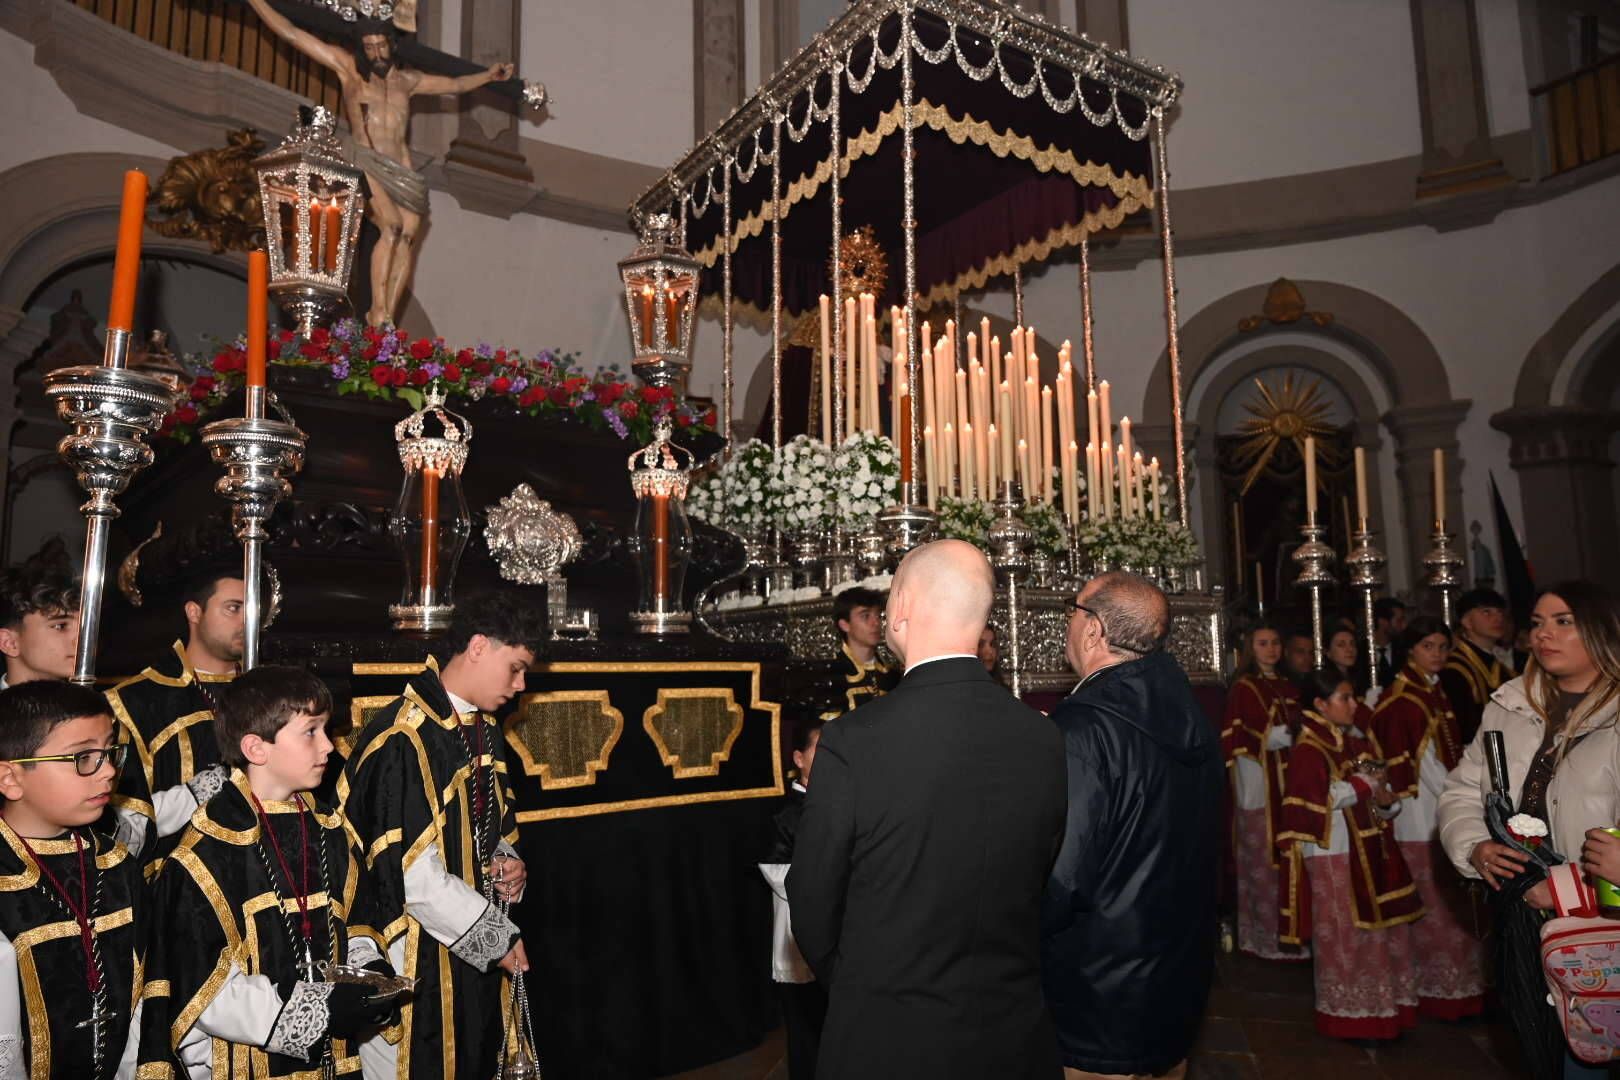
pixel 1581 957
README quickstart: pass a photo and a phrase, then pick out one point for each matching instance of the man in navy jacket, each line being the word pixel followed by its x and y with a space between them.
pixel 1128 927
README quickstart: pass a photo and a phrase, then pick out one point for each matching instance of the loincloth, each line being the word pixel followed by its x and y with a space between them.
pixel 407 187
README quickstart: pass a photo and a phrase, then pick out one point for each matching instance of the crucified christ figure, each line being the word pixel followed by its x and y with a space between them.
pixel 377 94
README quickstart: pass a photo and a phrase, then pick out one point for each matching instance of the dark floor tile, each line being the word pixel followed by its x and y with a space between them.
pixel 1222 1034
pixel 1434 1070
pixel 1247 1005
pixel 1431 1041
pixel 1315 1067
pixel 1217 1066
pixel 1291 1039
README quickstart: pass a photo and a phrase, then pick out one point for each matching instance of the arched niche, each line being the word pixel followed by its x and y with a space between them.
pixel 1565 431
pixel 1371 350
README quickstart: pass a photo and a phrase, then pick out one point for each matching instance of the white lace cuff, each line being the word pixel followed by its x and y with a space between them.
pixel 303 1022
pixel 487 940
pixel 11 1058
pixel 207 783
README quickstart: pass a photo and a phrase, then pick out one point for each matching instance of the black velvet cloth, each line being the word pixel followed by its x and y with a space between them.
pixel 56 966
pixel 217 869
pixel 166 714
pixel 971 204
pixel 649 929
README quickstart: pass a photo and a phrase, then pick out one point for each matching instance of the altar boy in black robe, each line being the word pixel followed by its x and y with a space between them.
pixel 71 909
pixel 426 794
pixel 166 714
pixel 260 894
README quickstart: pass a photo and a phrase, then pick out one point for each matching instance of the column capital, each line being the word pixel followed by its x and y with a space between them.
pixel 1558 434
pixel 1423 427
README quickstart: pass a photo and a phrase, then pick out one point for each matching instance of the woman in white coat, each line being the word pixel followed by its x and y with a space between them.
pixel 1559 728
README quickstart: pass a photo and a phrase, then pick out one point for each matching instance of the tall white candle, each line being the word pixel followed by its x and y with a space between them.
pixel 1361 488
pixel 947 477
pixel 1046 442
pixel 1125 458
pixel 1094 504
pixel 825 369
pixel 1123 466
pixel 964 433
pixel 1105 448
pixel 928 465
pixel 852 385
pixel 1153 478
pixel 1439 485
pixel 1004 422
pixel 1310 479
pixel 1136 484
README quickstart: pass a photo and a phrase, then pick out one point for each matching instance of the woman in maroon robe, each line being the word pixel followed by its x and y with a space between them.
pixel 1262 712
pixel 1346 889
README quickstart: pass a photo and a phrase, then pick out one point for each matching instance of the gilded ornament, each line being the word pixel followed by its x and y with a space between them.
pixel 1287 415
pixel 1285 304
pixel 213 195
pixel 862 265
pixel 531 541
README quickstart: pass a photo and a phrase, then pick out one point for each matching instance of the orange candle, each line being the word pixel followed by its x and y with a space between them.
pixel 646 316
pixel 258 318
pixel 660 552
pixel 672 317
pixel 430 534
pixel 334 225
pixel 127 261
pixel 905 441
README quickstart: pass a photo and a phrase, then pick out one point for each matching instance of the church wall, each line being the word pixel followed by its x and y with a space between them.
pixel 1501 47
pixel 622 73
pixel 1278 89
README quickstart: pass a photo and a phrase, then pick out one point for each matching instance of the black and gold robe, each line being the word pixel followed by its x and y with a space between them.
pixel 49 955
pixel 407 792
pixel 223 967
pixel 860 683
pixel 166 714
pixel 1470 677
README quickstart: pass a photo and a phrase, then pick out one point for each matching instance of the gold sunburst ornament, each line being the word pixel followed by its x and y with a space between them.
pixel 1286 415
pixel 862 265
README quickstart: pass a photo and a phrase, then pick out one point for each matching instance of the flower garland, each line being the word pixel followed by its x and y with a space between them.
pixel 387 365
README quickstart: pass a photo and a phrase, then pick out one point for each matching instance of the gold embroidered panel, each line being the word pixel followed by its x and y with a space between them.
pixel 565 737
pixel 694 728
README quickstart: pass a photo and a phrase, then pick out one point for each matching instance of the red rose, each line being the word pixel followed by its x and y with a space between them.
pixel 370 334
pixel 708 418
pixel 381 373
pixel 401 336
pixel 649 394
pixel 321 335
pixel 500 384
pixel 222 363
pixel 205 381
pixel 483 367
pixel 198 391
pixel 369 353
pixel 419 377
pixel 500 356
pixel 531 396
pixel 399 376
pixel 168 425
pixel 185 414
pixel 422 348
pixel 608 393
pixel 286 335
pixel 683 420
pixel 465 357
pixel 629 410
pixel 311 351
pixel 452 373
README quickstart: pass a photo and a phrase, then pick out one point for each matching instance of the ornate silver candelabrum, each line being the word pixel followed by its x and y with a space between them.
pixel 258 455
pixel 905 526
pixel 1366 565
pixel 1314 558
pixel 871 551
pixel 111 411
pixel 1010 539
pixel 1444 568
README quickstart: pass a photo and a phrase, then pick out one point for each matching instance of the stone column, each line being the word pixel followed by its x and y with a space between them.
pixel 19 339
pixel 717 62
pixel 1566 487
pixel 1104 20
pixel 1457 152
pixel 485 168
pixel 1418 430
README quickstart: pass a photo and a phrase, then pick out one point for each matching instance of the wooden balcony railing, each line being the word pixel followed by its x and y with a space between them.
pixel 1580 114
pixel 223 32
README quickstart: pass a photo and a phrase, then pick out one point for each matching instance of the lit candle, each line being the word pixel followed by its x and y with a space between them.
pixel 1091 417
pixel 995 362
pixel 1310 479
pixel 1026 467
pixel 950 339
pixel 826 369
pixel 1361 488
pixel 1016 375
pixel 127 260
pixel 930 398
pixel 1071 482
pixel 1259 588
pixel 1153 477
pixel 1093 499
pixel 1046 442
pixel 646 316
pixel 963 450
pixel 973 349
pixel 1123 463
pixel 258 318
pixel 660 552
pixel 994 476
pixel 947 477
pixel 334 228
pixel 931 476
pixel 971 481
pixel 1004 422
pixel 905 443
pixel 873 417
pixel 1439 487
pixel 430 534
pixel 852 385
pixel 984 338
pixel 1105 442
pixel 1136 484
pixel 1124 474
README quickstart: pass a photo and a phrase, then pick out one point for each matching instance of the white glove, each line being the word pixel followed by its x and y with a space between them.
pixel 1277 738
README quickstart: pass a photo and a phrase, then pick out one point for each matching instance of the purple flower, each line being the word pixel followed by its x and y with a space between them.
pixel 340 370
pixel 590 395
pixel 433 368
pixel 615 423
pixel 519 385
pixel 386 348
pixel 344 329
pixel 484 351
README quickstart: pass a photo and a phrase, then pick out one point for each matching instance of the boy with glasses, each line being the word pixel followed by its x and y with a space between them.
pixel 70 898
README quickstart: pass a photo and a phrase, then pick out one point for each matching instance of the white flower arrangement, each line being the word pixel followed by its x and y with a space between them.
pixel 866 477
pixel 1046 522
pixel 965 519
pixel 1139 542
pixel 742 494
pixel 804 478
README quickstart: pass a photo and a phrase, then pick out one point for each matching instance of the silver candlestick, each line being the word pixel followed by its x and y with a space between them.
pixel 1366 565
pixel 111 411
pixel 258 455
pixel 1444 567
pixel 906 526
pixel 1314 558
pixel 1010 540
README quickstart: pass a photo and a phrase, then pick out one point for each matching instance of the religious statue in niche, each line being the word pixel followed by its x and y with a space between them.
pixel 377 93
